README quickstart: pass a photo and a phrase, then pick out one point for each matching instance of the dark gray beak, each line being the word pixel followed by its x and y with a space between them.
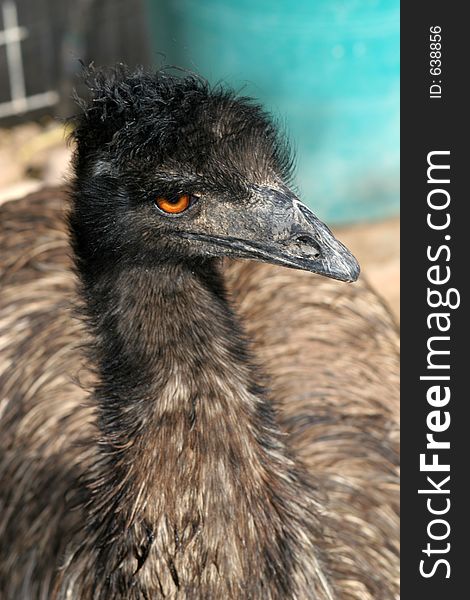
pixel 309 244
pixel 276 227
pixel 279 229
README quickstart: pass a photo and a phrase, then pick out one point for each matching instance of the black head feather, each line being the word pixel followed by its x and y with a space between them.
pixel 159 119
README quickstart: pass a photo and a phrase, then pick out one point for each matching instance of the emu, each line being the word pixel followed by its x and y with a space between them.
pixel 229 428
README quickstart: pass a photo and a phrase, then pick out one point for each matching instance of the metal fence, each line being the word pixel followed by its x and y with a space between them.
pixel 42 42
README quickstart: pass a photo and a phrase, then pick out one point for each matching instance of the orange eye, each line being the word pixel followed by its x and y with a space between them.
pixel 175 205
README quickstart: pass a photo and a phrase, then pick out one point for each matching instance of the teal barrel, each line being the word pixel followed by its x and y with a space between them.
pixel 329 70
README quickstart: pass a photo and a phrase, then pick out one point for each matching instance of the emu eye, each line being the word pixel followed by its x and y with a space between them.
pixel 175 204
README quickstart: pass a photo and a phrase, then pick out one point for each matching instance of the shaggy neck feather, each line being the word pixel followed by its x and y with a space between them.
pixel 194 486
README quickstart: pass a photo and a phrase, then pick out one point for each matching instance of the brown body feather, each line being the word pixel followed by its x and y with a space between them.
pixel 330 353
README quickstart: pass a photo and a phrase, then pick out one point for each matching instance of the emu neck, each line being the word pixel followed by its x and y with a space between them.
pixel 172 359
pixel 194 482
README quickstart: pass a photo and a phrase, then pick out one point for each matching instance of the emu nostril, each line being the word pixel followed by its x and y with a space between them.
pixel 304 239
pixel 307 240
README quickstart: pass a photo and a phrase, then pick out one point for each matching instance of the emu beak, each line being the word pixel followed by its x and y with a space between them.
pixel 280 229
pixel 307 243
pixel 277 228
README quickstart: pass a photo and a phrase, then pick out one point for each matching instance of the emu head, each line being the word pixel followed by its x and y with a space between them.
pixel 168 169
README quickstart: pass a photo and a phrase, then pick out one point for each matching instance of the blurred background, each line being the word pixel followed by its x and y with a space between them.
pixel 327 69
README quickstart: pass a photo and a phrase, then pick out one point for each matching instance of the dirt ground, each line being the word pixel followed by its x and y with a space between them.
pixel 377 247
pixel 32 155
